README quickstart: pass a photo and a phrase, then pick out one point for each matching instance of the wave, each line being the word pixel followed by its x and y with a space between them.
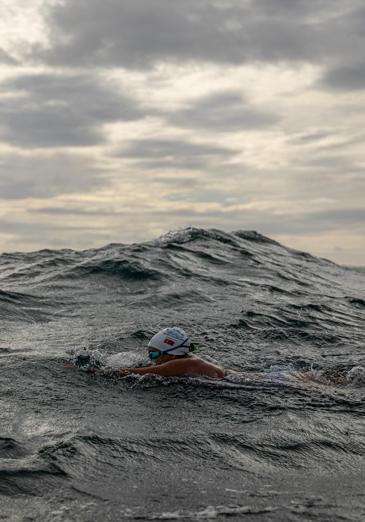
pixel 29 476
pixel 121 268
pixel 357 302
pixel 210 512
pixel 11 448
pixel 16 306
pixel 290 324
pixel 264 290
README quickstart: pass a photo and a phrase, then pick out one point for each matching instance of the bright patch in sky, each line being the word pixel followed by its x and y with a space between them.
pixel 22 24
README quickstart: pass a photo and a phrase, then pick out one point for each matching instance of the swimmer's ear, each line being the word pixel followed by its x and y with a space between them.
pixel 193 347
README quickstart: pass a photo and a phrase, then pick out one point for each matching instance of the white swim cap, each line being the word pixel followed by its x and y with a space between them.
pixel 171 340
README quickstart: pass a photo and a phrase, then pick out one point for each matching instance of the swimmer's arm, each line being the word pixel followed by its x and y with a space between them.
pixel 228 371
pixel 121 372
pixel 168 369
pixel 135 371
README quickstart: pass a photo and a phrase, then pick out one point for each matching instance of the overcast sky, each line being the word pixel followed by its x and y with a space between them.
pixel 121 120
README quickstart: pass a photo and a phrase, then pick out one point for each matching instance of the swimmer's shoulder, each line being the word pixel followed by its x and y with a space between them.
pixel 202 367
pixel 192 365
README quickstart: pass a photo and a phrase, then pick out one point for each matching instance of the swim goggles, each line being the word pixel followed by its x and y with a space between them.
pixel 154 355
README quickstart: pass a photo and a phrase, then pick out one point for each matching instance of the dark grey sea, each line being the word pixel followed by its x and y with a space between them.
pixel 81 447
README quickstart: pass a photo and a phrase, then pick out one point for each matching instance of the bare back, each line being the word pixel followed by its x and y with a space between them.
pixel 195 366
pixel 190 365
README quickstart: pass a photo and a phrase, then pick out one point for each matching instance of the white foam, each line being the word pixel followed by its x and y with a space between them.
pixel 124 360
pixel 357 376
pixel 114 361
pixel 210 513
pixel 180 235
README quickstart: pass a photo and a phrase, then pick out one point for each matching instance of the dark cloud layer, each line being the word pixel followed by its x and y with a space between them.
pixel 341 217
pixel 300 222
pixel 225 111
pixel 43 177
pixel 306 10
pixel 174 154
pixel 54 110
pixel 140 33
pixel 345 77
pixel 271 223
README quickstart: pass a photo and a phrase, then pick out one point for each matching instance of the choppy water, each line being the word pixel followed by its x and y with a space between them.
pixel 78 447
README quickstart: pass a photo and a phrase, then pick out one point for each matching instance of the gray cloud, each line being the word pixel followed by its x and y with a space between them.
pixel 322 221
pixel 175 181
pixel 314 137
pixel 345 77
pixel 300 222
pixel 308 10
pixel 341 216
pixel 346 71
pixel 74 211
pixel 43 177
pixel 68 110
pixel 271 223
pixel 29 235
pixel 225 111
pixel 6 58
pixel 202 196
pixel 29 232
pixel 174 154
pixel 334 164
pixel 140 33
pixel 34 228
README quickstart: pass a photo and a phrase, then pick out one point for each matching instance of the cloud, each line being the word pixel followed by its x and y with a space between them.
pixel 174 154
pixel 346 70
pixel 5 58
pixel 340 217
pixel 54 110
pixel 268 222
pixel 141 33
pixel 307 10
pixel 345 77
pixel 174 181
pixel 24 176
pixel 241 132
pixel 225 215
pixel 202 196
pixel 313 137
pixel 223 112
pixel 74 211
pixel 25 233
pixel 320 221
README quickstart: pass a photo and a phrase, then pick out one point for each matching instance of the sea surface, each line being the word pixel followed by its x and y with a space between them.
pixel 75 446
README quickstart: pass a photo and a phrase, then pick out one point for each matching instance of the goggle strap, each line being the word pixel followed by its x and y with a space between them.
pixel 176 347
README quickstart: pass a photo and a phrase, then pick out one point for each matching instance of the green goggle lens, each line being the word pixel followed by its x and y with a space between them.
pixel 154 355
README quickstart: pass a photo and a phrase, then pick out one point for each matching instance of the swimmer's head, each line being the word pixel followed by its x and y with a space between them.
pixel 170 341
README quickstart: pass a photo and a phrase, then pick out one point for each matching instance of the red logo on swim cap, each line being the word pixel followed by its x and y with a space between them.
pixel 170 342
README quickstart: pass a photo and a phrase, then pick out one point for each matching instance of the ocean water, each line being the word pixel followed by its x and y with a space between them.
pixel 253 446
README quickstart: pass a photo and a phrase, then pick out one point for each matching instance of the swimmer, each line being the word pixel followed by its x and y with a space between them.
pixel 170 351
